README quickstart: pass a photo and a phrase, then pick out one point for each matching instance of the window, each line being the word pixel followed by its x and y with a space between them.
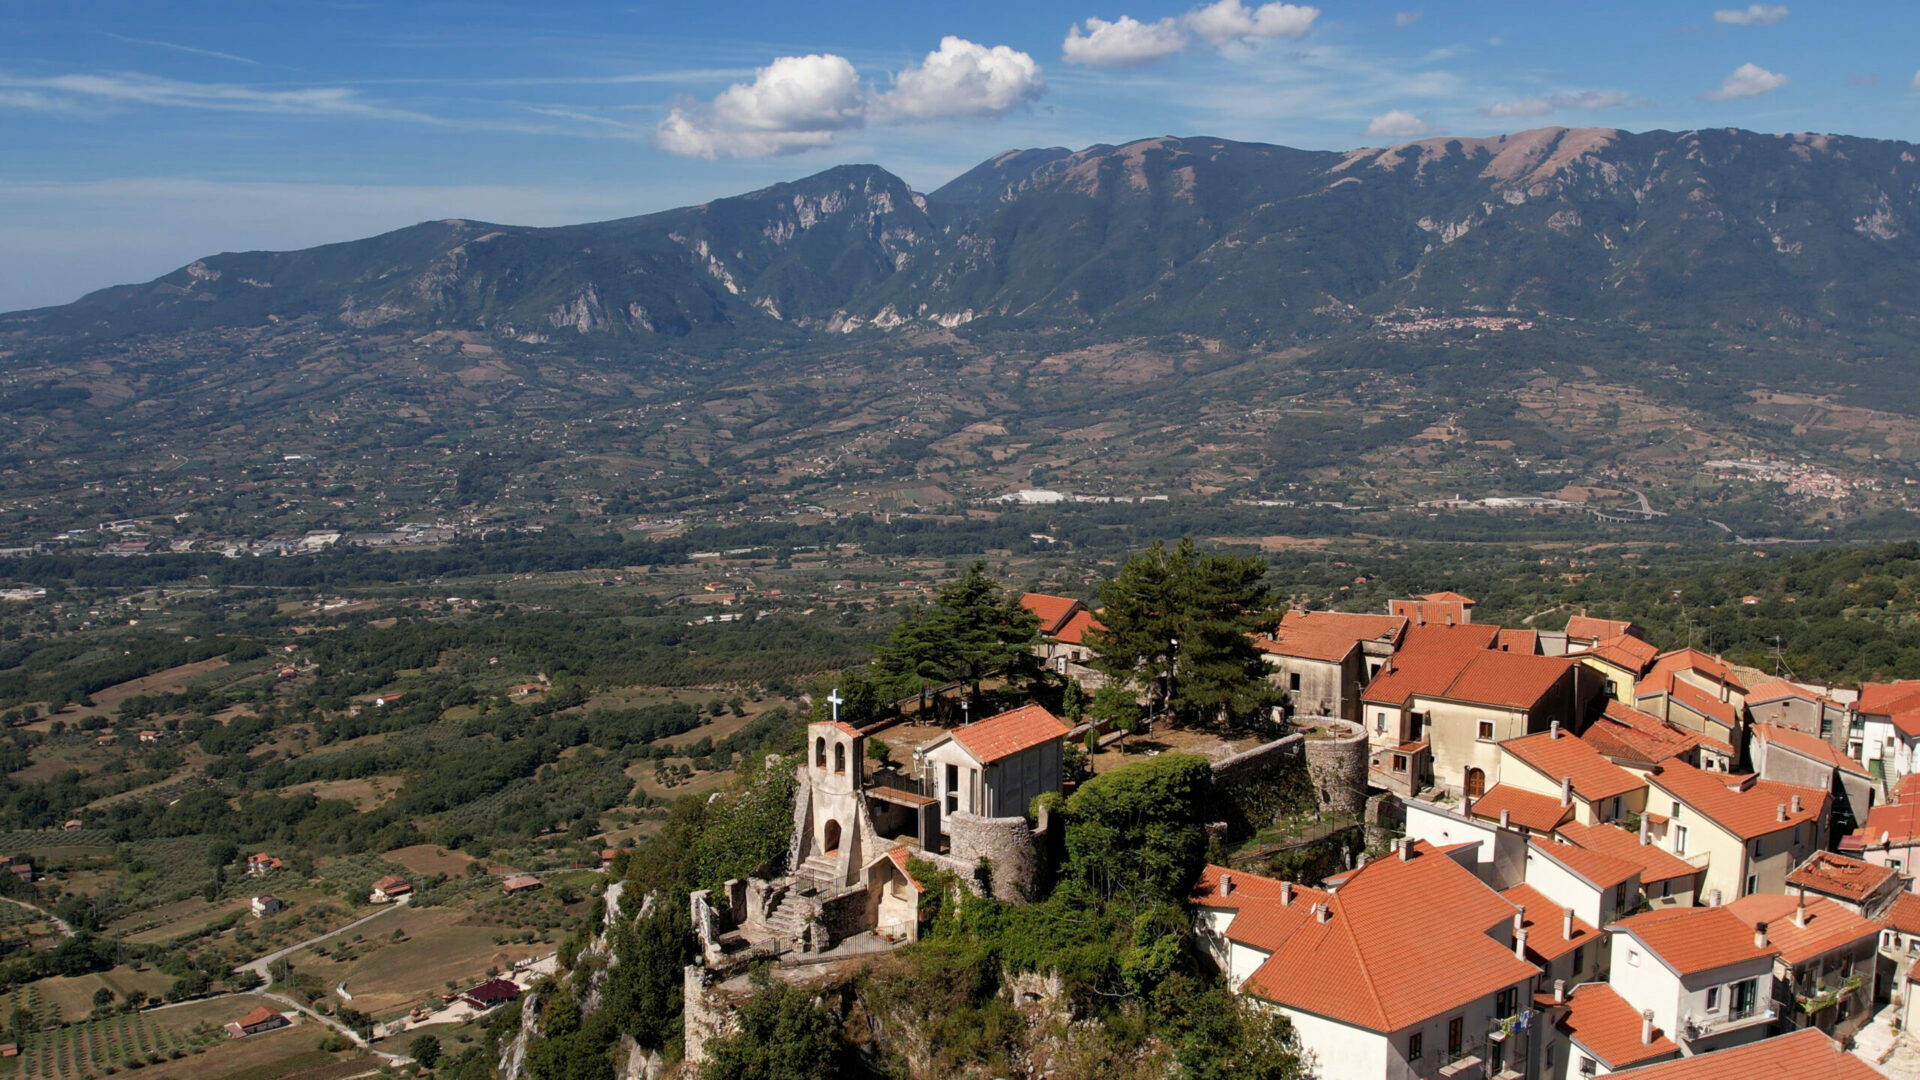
pixel 1633 957
pixel 1399 763
pixel 1676 810
pixel 1587 1066
pixel 1893 864
pixel 1415 1046
pixel 1756 849
pixel 1456 1036
pixel 1580 960
pixel 1293 680
pixel 953 789
pixel 839 757
pixel 1713 999
pixel 1620 897
pixel 1753 884
pixel 1618 806
pixel 1486 731
pixel 1666 890
pixel 820 752
pixel 1506 1002
pixel 1743 999
pixel 1380 722
pixel 1679 839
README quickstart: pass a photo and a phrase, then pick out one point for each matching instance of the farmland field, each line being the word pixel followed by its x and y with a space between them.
pixel 440 945
pixel 181 1043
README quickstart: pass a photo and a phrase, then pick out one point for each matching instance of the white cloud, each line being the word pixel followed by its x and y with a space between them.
pixel 134 89
pixel 1540 106
pixel 1915 84
pixel 961 78
pixel 795 103
pixel 1122 42
pixel 1747 80
pixel 1751 15
pixel 184 48
pixel 1408 18
pixel 1397 124
pixel 1230 20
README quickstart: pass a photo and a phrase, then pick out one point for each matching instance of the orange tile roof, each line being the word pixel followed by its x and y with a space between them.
pixel 1558 754
pixel 1075 632
pixel 1904 915
pixel 1052 611
pixel 898 856
pixel 1602 1022
pixel 1409 674
pixel 1372 966
pixel 1360 627
pixel 1695 939
pixel 1906 788
pixel 1624 732
pixel 1744 806
pixel 1781 689
pixel 1829 924
pixel 1262 921
pixel 1696 700
pixel 1696 661
pixel 1507 680
pixel 260 1015
pixel 1525 642
pixel 1449 597
pixel 1599 869
pixel 1540 813
pixel 1588 628
pixel 1876 697
pixel 1899 821
pixel 1835 874
pixel 1545 923
pixel 1307 645
pixel 1804 1055
pixel 1656 864
pixel 1808 746
pixel 1430 612
pixel 1625 653
pixel 1009 733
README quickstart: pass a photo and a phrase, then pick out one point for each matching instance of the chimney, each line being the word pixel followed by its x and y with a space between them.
pixel 1406 849
pixel 1780 812
pixel 1885 837
pixel 1559 991
pixel 1226 884
pixel 1466 805
pixel 1519 918
pixel 1646 830
pixel 1566 791
pixel 1553 730
pixel 1286 894
pixel 1759 935
pixel 1797 805
pixel 1362 861
pixel 1506 819
pixel 1646 1027
pixel 1449 618
pixel 1520 945
pixel 1800 912
pixel 1566 924
pixel 1322 912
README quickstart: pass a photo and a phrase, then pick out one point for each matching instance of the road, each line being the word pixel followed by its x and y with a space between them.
pixel 59 923
pixel 328 1021
pixel 259 966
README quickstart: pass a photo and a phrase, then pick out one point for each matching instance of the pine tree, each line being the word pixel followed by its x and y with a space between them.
pixel 973 629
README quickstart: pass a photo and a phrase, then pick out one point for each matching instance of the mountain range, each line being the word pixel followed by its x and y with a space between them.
pixel 1240 240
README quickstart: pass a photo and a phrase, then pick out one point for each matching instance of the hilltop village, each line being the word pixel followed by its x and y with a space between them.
pixel 1584 855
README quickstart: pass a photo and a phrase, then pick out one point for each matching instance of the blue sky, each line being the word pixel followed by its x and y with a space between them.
pixel 135 137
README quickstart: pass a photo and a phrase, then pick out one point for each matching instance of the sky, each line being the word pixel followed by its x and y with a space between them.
pixel 138 136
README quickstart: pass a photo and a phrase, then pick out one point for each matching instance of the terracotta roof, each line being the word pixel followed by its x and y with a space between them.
pixel 391 882
pixel 1695 939
pixel 1525 642
pixel 1589 628
pixel 1808 746
pixel 1448 597
pixel 1545 923
pixel 1599 869
pixel 1009 733
pixel 1744 806
pixel 1507 680
pixel 1359 627
pixel 1804 1055
pixel 1829 924
pixel 1308 645
pixel 1625 653
pixel 1624 732
pixel 1431 612
pixel 898 855
pixel 1906 788
pixel 1904 915
pixel 1696 661
pixel 1075 632
pixel 1875 697
pixel 1052 611
pixel 1696 700
pixel 1779 690
pixel 1899 821
pixel 1262 922
pixel 1539 813
pixel 1834 874
pixel 1656 864
pixel 1372 966
pixel 1558 754
pixel 1606 1026
pixel 843 727
pixel 261 1015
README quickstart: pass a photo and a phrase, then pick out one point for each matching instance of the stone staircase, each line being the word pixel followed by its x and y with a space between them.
pixel 789 916
pixel 815 877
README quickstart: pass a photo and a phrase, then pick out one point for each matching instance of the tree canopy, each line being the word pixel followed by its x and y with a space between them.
pixel 973 628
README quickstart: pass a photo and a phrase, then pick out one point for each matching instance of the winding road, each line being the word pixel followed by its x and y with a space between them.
pixel 259 967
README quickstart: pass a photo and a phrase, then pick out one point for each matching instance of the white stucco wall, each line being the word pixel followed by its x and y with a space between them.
pixel 1567 890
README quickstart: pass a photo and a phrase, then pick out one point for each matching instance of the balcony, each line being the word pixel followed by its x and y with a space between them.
pixel 1745 1016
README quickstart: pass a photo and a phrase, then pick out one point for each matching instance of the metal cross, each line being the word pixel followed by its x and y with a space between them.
pixel 834 699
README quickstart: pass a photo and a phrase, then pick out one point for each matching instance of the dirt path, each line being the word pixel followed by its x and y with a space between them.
pixel 259 967
pixel 59 923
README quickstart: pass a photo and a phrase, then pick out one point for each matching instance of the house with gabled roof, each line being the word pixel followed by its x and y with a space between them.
pixel 1557 764
pixel 1890 837
pixel 1586 631
pixel 1064 622
pixel 1706 976
pixel 1429 659
pixel 1889 715
pixel 1679 701
pixel 1666 880
pixel 1590 1030
pixel 1855 884
pixel 1824 974
pixel 1434 609
pixel 1637 741
pixel 1802 1055
pixel 1597 887
pixel 1318 673
pixel 1494 697
pixel 1747 834
pixel 1621 660
pixel 1379 636
pixel 997 766
pixel 1564 946
pixel 1795 757
pixel 1372 992
pixel 1814 710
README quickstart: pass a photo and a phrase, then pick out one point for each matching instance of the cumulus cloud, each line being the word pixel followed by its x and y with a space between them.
pixel 1121 43
pixel 1398 124
pixel 1751 15
pixel 795 103
pixel 1408 18
pixel 961 78
pixel 1230 20
pixel 1540 106
pixel 1126 41
pixel 1747 80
